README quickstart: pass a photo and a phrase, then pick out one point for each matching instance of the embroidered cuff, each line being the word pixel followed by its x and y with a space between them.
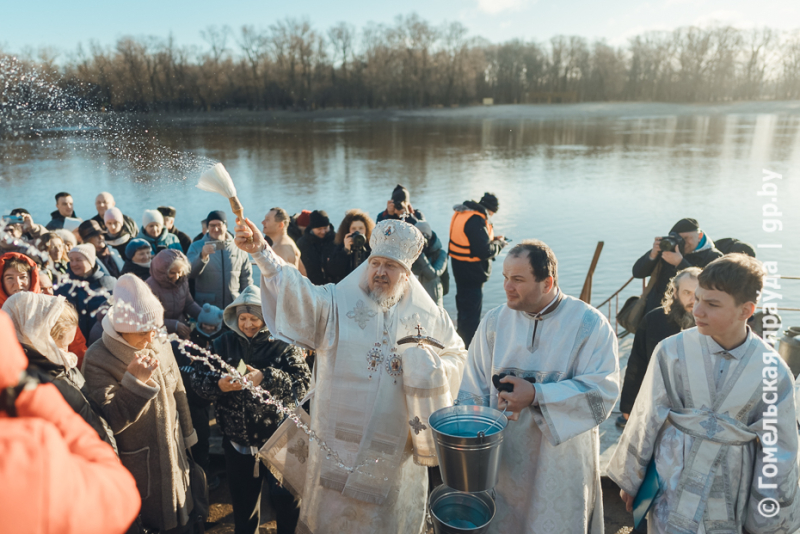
pixel 137 387
pixel 268 262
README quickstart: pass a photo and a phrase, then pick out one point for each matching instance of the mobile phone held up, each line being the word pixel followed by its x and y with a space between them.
pixel 218 245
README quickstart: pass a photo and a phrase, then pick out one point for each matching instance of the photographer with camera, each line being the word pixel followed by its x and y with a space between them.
pixel 685 246
pixel 351 245
pixel 399 207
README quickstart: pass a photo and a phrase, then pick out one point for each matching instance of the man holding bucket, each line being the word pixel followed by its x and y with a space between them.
pixel 563 355
pixel 372 392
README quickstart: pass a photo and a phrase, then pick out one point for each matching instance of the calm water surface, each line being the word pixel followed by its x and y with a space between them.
pixel 570 175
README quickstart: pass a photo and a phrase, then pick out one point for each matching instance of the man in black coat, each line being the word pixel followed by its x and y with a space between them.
pixel 656 326
pixel 473 247
pixel 698 251
pixel 316 246
pixel 399 208
pixel 63 210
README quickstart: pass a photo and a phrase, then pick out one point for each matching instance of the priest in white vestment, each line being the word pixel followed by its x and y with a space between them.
pixel 373 397
pixel 716 415
pixel 549 478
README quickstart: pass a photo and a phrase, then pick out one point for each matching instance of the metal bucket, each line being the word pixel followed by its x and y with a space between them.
pixel 789 349
pixel 456 512
pixel 468 440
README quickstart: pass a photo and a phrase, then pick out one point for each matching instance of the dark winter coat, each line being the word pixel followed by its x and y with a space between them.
pixel 112 263
pixel 654 328
pixel 644 266
pixel 314 252
pixel 411 219
pixel 72 386
pixel 241 418
pixel 430 266
pixel 57 220
pixel 79 297
pixel 341 263
pixel 138 270
pixel 480 246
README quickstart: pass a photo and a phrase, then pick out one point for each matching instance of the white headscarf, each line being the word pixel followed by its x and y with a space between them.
pixel 34 316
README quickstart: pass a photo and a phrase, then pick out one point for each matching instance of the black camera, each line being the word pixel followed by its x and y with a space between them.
pixel 669 242
pixel 359 240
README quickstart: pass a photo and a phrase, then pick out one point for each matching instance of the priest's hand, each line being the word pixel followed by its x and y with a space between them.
pixel 248 237
pixel 627 499
pixel 517 400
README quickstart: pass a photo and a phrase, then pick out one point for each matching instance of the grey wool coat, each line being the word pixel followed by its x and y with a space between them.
pixel 151 423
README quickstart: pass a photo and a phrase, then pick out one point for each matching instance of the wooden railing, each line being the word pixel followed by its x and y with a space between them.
pixel 615 297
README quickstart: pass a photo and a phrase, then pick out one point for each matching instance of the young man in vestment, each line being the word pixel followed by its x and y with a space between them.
pixel 716 415
pixel 563 354
pixel 373 397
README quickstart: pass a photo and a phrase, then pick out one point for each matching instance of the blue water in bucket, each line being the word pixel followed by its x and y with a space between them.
pixel 468 427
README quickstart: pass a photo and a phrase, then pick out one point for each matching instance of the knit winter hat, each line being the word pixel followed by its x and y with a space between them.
pixel 67 237
pixel 217 215
pixel 134 307
pixel 210 315
pixel 319 219
pixel 113 214
pixel 151 216
pixel 490 202
pixel 685 225
pixel 134 245
pixel 251 309
pixel 87 251
pixel 304 218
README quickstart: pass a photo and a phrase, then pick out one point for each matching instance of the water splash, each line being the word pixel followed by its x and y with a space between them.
pixel 38 106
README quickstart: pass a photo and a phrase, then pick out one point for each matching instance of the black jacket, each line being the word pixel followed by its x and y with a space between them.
pixel 480 246
pixel 654 328
pixel 341 263
pixel 644 266
pixel 79 297
pixel 286 375
pixel 71 386
pixel 315 252
pixel 410 219
pixel 138 270
pixel 57 220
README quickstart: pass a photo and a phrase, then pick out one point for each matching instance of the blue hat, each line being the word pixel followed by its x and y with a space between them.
pixel 210 315
pixel 134 245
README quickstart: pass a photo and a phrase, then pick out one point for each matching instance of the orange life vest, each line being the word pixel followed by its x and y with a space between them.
pixel 459 243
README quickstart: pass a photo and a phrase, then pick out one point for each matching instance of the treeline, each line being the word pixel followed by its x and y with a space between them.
pixel 413 63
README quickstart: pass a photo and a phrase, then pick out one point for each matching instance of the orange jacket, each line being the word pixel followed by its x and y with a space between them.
pixel 459 242
pixel 56 475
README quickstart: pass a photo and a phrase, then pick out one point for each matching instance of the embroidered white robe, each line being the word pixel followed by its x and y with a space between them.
pixel 358 416
pixel 549 478
pixel 708 417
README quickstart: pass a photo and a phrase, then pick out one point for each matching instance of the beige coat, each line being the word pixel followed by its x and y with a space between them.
pixel 151 422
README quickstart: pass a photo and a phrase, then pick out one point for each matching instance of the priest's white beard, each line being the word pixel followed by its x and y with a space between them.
pixel 386 298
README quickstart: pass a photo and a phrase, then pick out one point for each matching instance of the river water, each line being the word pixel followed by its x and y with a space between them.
pixel 570 175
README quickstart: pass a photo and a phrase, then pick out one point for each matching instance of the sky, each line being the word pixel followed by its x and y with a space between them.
pixel 62 25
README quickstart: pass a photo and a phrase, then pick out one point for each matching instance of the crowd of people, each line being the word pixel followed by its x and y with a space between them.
pixel 87 300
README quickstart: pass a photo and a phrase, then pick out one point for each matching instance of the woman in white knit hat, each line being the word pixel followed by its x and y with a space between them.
pixel 154 232
pixel 134 378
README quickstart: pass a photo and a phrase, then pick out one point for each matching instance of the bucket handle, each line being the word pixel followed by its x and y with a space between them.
pixel 482 433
